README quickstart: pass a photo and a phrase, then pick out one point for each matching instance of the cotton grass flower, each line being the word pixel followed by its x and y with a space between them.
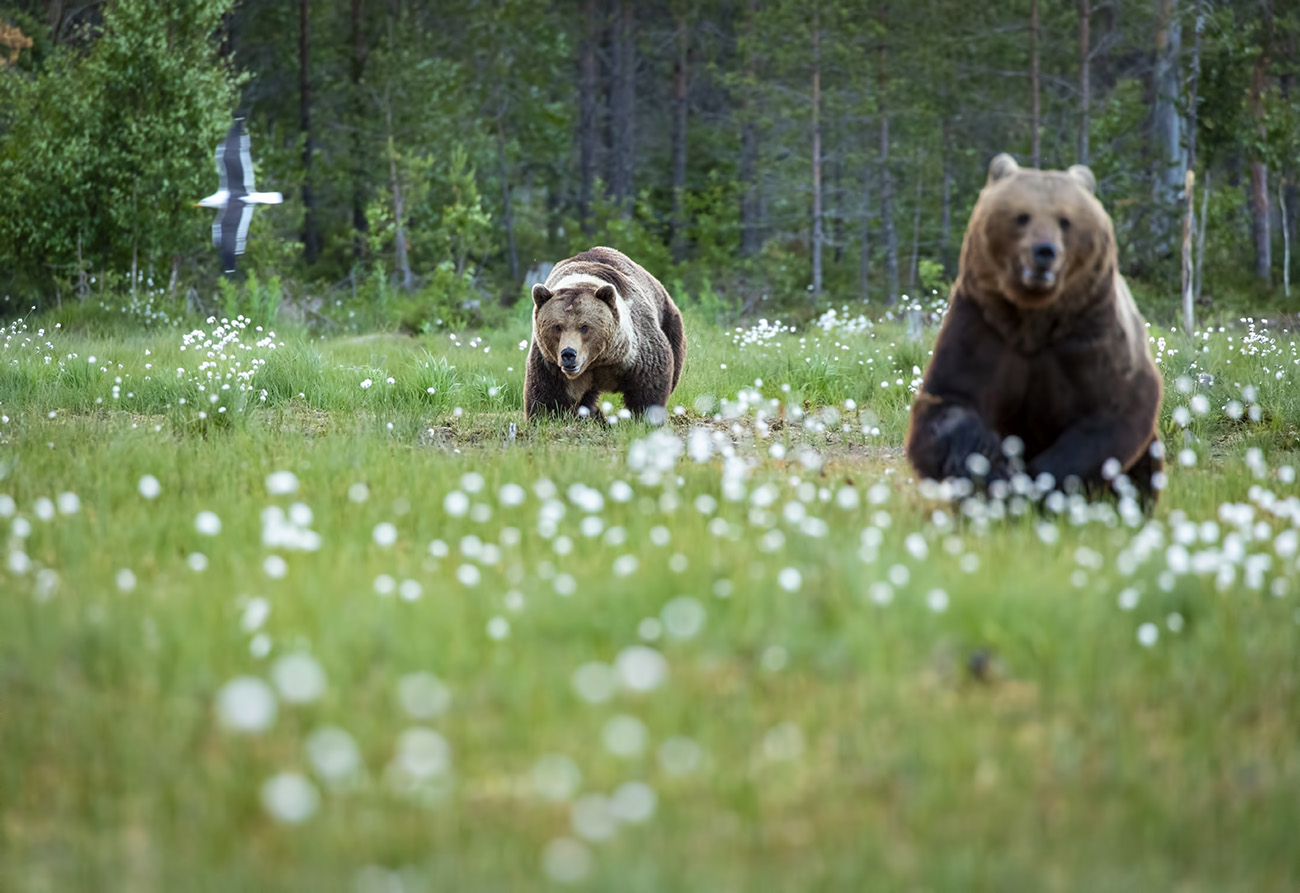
pixel 556 778
pixel 299 678
pixel 246 704
pixel 207 523
pixel 566 861
pixel 290 798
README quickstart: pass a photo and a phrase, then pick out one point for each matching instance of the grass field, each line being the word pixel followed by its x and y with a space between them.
pixel 334 627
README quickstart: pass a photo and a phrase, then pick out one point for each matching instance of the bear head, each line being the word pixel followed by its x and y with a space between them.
pixel 1037 236
pixel 575 326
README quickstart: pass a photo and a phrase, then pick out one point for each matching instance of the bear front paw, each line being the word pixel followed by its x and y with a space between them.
pixel 977 466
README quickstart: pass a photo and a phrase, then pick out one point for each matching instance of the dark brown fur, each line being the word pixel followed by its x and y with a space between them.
pixel 639 356
pixel 1057 357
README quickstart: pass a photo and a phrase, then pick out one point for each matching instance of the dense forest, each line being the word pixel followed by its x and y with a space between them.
pixel 797 152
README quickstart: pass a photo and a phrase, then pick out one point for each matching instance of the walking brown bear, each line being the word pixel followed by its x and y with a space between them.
pixel 602 323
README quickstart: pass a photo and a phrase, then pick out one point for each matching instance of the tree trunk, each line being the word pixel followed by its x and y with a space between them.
pixel 171 283
pixel 817 235
pixel 1085 78
pixel 1103 67
pixel 681 109
pixel 623 109
pixel 588 102
pixel 1286 244
pixel 54 17
pixel 1193 84
pixel 945 210
pixel 399 209
pixel 1291 205
pixel 83 280
pixel 1035 115
pixel 1260 228
pixel 864 250
pixel 1167 122
pixel 836 214
pixel 310 231
pixel 508 217
pixel 750 237
pixel 916 230
pixel 1200 233
pixel 1259 201
pixel 609 88
pixel 886 177
pixel 832 215
pixel 1289 194
pixel 1189 276
pixel 360 226
pixel 887 216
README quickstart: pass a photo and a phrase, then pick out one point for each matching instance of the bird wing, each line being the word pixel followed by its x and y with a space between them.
pixel 234 232
pixel 245 220
pixel 216 228
pixel 233 158
pixel 246 159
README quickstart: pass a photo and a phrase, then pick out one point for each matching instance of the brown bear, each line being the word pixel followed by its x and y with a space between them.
pixel 1043 357
pixel 602 323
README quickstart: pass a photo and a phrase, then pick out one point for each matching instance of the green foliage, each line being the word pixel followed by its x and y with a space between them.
pixel 634 234
pixel 437 377
pixel 705 300
pixel 256 300
pixel 106 151
pixel 462 119
pixel 932 277
pixel 1118 132
pixel 464 232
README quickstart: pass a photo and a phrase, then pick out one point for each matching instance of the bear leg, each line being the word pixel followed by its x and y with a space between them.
pixel 676 335
pixel 1140 475
pixel 544 393
pixel 1084 448
pixel 591 402
pixel 944 436
pixel 640 398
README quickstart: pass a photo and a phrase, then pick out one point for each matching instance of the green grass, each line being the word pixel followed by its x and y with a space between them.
pixel 811 734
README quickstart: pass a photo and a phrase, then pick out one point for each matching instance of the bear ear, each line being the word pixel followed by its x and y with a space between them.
pixel 1084 175
pixel 1002 167
pixel 607 294
pixel 541 294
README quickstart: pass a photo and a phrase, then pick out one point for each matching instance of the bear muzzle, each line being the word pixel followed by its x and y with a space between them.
pixel 1038 272
pixel 569 362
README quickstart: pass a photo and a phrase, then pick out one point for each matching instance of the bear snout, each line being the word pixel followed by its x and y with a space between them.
pixel 1044 255
pixel 1039 268
pixel 569 359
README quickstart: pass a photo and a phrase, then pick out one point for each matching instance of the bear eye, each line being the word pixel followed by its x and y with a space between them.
pixel 583 330
pixel 1022 220
pixel 559 328
pixel 1065 223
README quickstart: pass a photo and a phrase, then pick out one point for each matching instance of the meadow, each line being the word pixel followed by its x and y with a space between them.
pixel 284 612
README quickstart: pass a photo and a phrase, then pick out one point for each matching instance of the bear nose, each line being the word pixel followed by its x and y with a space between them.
pixel 568 356
pixel 1044 254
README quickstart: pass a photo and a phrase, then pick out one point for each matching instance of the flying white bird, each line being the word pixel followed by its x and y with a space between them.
pixel 236 197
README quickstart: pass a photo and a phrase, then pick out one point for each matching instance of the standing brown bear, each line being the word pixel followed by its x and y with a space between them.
pixel 1042 342
pixel 602 323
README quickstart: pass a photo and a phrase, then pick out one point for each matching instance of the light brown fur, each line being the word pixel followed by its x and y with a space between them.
pixel 1042 341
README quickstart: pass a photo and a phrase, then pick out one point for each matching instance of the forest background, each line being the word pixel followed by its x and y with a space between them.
pixel 761 156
